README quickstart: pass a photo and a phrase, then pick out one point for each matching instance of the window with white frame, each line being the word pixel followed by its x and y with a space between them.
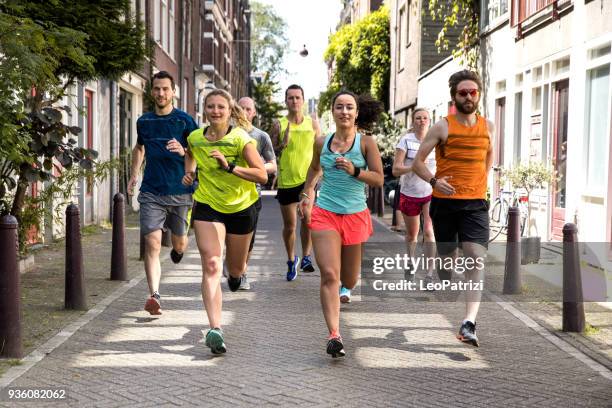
pixel 407 29
pixel 492 12
pixel 597 114
pixel 401 38
pixel 163 24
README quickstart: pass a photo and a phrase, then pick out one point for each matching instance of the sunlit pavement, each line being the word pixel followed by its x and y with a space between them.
pixel 401 350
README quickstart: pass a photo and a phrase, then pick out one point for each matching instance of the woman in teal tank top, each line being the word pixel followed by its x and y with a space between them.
pixel 340 220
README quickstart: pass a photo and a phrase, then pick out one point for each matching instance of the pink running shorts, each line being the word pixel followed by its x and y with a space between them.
pixel 412 206
pixel 352 228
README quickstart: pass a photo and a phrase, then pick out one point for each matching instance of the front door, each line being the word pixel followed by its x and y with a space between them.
pixel 559 136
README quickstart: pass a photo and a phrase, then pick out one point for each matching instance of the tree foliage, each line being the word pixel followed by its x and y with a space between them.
pixel 359 55
pixel 45 47
pixel 453 13
pixel 268 45
pixel 267 108
pixel 268 40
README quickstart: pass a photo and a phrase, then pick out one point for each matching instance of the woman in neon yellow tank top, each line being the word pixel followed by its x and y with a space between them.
pixel 340 220
pixel 228 168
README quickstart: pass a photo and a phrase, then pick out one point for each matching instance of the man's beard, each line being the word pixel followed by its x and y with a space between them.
pixel 162 106
pixel 465 110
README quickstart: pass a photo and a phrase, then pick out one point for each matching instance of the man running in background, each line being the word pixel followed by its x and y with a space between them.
pixel 266 151
pixel 164 200
pixel 459 209
pixel 294 136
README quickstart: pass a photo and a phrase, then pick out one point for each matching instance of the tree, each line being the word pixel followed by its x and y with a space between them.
pixel 267 108
pixel 45 48
pixel 268 45
pixel 453 13
pixel 268 40
pixel 359 55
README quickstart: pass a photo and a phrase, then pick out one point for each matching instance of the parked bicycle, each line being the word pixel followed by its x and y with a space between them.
pixel 498 212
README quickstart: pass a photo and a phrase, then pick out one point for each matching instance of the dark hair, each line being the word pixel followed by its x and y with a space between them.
pixel 294 86
pixel 464 75
pixel 369 112
pixel 162 75
pixel 368 107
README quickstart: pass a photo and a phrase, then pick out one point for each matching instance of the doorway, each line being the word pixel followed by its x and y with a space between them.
pixel 559 154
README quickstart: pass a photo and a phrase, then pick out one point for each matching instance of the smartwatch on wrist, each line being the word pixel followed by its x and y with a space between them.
pixel 356 172
pixel 230 167
pixel 433 181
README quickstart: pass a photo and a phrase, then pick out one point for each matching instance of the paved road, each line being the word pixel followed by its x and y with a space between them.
pixel 401 350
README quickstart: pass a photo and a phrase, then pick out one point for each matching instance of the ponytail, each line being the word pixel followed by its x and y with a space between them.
pixel 237 113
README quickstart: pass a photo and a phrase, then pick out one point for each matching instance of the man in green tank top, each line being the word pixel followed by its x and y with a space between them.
pixel 294 137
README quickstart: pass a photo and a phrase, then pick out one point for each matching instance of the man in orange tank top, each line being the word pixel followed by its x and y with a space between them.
pixel 459 209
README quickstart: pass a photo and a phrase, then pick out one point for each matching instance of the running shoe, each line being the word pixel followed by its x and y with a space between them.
pixel 233 283
pixel 467 333
pixel 175 256
pixel 306 264
pixel 244 283
pixel 214 340
pixel 153 304
pixel 335 348
pixel 292 268
pixel 345 295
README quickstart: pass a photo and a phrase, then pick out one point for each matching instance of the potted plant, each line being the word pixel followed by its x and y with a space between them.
pixel 529 176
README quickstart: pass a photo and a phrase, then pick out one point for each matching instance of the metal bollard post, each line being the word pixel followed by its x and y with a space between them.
pixel 370 199
pixel 512 268
pixel 573 308
pixel 10 318
pixel 75 282
pixel 119 252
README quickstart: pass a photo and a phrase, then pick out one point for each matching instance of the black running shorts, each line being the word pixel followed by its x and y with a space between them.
pixel 456 221
pixel 239 223
pixel 286 196
pixel 257 210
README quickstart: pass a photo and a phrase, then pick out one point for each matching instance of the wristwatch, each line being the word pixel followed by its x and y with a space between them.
pixel 230 167
pixel 433 181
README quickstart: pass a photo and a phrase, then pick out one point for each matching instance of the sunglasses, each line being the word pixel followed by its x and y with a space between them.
pixel 465 92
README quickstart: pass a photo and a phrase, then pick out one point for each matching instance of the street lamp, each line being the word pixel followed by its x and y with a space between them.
pixel 304 52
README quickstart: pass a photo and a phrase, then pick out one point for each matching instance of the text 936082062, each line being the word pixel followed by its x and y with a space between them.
pixel 30 394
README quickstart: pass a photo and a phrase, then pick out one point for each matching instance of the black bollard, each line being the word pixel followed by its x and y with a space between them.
pixel 10 318
pixel 573 308
pixel 119 252
pixel 512 268
pixel 75 282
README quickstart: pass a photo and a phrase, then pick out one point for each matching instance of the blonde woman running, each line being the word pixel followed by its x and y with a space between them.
pixel 225 213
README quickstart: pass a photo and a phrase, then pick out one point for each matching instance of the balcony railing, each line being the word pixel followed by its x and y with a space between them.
pixel 523 9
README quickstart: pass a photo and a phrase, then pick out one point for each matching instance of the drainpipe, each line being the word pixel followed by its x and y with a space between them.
pixel 113 147
pixel 181 31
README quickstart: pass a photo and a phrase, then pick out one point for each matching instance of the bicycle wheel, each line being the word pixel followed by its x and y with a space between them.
pixel 498 219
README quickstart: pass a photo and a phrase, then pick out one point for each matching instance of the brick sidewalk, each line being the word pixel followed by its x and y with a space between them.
pixel 401 351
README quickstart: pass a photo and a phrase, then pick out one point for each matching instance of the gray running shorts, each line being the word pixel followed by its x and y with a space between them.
pixel 159 213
